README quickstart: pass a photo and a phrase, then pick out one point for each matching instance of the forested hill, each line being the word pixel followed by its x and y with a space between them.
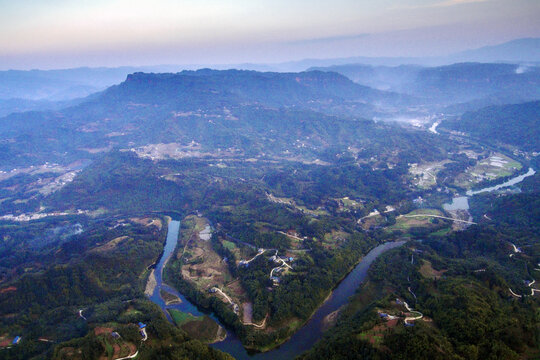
pixel 517 124
pixel 192 89
pixel 238 110
pixel 472 85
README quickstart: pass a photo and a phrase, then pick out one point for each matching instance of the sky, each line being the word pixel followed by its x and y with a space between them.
pixel 49 34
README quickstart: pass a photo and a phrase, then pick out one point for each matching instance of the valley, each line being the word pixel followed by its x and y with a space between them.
pixel 237 211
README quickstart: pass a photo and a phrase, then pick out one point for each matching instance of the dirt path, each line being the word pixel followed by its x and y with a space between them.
pixel 259 326
pixel 291 236
pixel 222 293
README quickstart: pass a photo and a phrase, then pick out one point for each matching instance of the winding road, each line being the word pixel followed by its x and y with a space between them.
pixel 129 357
pixel 412 318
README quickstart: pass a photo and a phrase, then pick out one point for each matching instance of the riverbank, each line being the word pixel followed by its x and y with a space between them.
pixel 220 335
pixel 461 203
pixel 170 299
pixel 304 335
pixel 269 347
pixel 312 330
pixel 151 284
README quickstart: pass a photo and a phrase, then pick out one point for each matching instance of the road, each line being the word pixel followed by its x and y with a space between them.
pixel 236 308
pixel 283 264
pixel 516 249
pixel 533 290
pixel 260 252
pixel 130 356
pixel 373 213
pixel 439 217
pixel 144 335
pixel 513 293
pixel 412 318
pixel 413 294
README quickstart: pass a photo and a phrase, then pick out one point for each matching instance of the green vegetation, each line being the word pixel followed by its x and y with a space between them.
pixel 96 270
pixel 284 163
pixel 461 285
pixel 180 318
pixel 202 328
pixel 516 124
pixel 487 170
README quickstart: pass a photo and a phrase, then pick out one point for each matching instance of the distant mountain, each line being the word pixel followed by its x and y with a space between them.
pixel 517 124
pixel 10 106
pixel 516 51
pixel 471 81
pixel 241 111
pixel 392 78
pixel 465 85
pixel 64 84
pixel 315 90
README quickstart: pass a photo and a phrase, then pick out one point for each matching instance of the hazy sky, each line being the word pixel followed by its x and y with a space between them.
pixel 69 33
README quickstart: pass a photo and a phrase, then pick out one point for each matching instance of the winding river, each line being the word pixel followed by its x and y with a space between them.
pixel 300 341
pixel 462 202
pixel 312 331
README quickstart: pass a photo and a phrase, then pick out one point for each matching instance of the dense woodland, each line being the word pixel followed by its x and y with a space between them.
pixel 516 124
pixel 474 316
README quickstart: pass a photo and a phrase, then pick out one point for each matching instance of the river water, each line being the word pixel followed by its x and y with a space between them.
pixel 462 202
pixel 304 338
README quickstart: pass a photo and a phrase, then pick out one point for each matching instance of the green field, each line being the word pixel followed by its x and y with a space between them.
pixel 229 244
pixel 406 223
pixel 202 328
pixel 493 167
pixel 180 317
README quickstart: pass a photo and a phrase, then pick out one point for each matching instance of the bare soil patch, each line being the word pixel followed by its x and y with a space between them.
pixel 247 313
pixel 110 245
pixel 428 271
pixel 100 330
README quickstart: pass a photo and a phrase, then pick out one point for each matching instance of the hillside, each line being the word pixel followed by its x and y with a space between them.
pixel 464 85
pixel 459 285
pixel 517 124
pixel 235 110
pixel 519 50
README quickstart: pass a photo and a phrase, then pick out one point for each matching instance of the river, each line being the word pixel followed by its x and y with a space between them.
pixel 462 202
pixel 303 339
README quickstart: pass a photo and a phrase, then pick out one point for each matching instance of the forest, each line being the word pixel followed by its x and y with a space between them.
pixel 460 283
